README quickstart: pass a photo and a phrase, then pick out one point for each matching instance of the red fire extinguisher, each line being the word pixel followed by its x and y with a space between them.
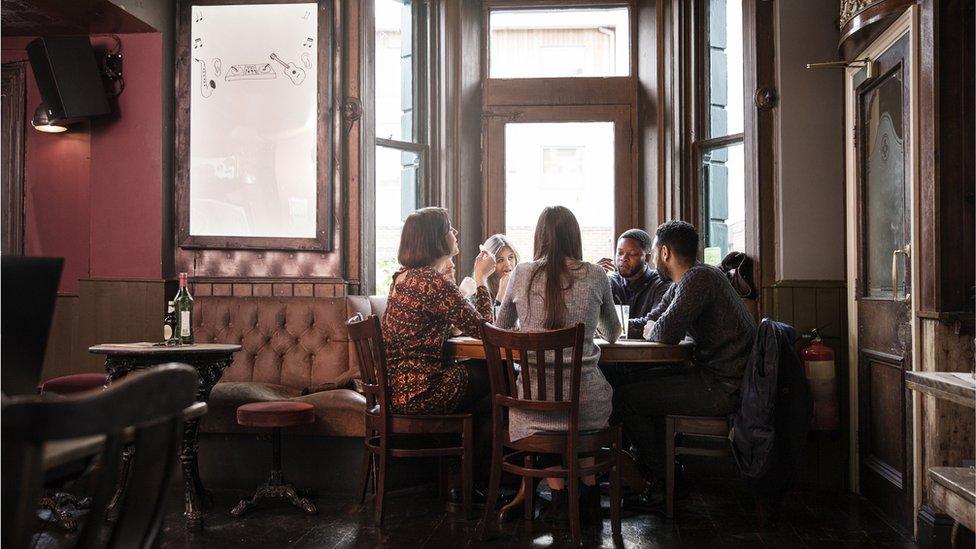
pixel 821 372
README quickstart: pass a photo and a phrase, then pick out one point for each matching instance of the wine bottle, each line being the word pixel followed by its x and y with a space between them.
pixel 169 321
pixel 183 312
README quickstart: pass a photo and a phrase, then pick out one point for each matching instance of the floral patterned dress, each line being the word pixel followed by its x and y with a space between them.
pixel 422 307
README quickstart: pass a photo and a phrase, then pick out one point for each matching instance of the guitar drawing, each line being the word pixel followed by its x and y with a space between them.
pixel 206 86
pixel 295 73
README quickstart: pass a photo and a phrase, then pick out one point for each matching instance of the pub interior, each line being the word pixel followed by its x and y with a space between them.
pixel 501 273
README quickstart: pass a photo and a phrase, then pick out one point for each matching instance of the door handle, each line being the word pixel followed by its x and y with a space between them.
pixel 907 252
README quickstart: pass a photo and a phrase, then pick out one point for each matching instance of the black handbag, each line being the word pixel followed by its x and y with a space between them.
pixel 737 267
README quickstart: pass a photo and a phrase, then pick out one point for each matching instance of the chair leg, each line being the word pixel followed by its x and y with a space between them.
pixel 380 481
pixel 441 478
pixel 528 487
pixel 467 467
pixel 573 492
pixel 367 471
pixel 669 468
pixel 494 481
pixel 615 483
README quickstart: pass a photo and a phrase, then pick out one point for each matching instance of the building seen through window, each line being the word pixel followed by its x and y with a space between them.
pixel 722 164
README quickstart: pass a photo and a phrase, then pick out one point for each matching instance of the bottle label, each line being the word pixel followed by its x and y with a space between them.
pixel 184 323
pixel 167 332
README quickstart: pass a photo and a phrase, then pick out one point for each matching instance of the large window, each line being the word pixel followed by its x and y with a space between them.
pixel 718 127
pixel 399 148
pixel 558 121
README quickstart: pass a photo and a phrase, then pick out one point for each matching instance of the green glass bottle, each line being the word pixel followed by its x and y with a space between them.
pixel 183 311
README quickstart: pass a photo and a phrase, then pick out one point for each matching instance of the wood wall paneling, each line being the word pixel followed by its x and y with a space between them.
pixel 805 305
pixel 62 357
pixel 118 311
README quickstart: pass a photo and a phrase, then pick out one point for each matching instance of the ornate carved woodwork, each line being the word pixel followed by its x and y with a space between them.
pixel 861 21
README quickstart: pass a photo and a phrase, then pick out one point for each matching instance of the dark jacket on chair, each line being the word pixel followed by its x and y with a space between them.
pixel 770 428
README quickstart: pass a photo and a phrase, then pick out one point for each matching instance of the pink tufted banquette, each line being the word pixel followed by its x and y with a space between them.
pixel 294 348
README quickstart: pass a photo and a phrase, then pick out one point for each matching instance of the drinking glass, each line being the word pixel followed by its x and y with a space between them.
pixel 623 314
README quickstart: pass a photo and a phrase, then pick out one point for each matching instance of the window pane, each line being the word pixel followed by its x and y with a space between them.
pixel 562 163
pixel 559 43
pixel 394 65
pixel 397 174
pixel 724 64
pixel 724 197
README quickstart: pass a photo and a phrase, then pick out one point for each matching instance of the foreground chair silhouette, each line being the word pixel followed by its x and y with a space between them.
pixel 144 409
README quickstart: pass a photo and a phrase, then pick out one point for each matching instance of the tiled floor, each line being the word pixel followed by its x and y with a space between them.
pixel 716 513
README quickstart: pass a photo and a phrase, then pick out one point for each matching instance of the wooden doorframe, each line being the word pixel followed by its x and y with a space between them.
pixel 14 90
pixel 907 23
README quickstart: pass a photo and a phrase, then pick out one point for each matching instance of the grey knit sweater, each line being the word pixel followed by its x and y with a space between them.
pixel 589 301
pixel 704 305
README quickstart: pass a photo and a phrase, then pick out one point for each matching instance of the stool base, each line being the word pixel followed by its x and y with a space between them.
pixel 276 487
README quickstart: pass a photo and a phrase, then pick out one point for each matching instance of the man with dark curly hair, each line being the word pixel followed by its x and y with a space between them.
pixel 702 304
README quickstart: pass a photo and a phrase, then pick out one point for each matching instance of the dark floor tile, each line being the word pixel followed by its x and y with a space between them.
pixel 715 514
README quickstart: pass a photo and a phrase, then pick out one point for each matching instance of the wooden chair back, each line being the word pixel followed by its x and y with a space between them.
pixel 537 354
pixel 143 409
pixel 367 337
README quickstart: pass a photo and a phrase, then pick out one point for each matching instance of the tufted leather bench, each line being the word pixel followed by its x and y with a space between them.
pixel 290 345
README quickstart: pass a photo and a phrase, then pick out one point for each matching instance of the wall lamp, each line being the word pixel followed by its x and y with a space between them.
pixel 42 121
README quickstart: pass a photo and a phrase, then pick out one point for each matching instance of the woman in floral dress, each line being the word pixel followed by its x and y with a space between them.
pixel 422 306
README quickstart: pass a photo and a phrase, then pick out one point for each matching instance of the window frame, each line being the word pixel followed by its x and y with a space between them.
pixel 422 128
pixel 605 99
pixel 328 142
pixel 697 72
pixel 759 98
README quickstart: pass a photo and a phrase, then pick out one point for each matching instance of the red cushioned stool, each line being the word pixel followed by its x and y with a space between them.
pixel 275 415
pixel 71 384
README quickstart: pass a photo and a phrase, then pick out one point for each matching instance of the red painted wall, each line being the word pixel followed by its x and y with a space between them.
pixel 126 169
pixel 93 194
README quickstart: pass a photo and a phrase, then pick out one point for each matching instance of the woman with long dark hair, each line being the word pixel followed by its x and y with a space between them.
pixel 558 290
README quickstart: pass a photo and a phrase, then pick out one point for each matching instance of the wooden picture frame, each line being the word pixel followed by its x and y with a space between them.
pixel 324 138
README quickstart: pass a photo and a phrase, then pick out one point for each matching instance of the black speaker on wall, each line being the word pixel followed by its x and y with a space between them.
pixel 68 78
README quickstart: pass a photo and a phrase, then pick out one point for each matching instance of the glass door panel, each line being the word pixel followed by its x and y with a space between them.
pixel 884 188
pixel 560 163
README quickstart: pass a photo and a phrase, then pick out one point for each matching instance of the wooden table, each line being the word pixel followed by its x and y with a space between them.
pixel 624 351
pixel 209 360
pixel 952 489
pixel 958 387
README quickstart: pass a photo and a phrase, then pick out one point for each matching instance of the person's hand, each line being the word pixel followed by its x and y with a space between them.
pixel 607 265
pixel 484 265
pixel 502 286
pixel 647 328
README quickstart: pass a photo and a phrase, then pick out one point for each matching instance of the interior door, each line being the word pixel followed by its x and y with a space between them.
pixel 575 156
pixel 883 285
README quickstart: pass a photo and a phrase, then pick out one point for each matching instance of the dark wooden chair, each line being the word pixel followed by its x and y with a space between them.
pixel 385 430
pixel 144 410
pixel 710 436
pixel 502 349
